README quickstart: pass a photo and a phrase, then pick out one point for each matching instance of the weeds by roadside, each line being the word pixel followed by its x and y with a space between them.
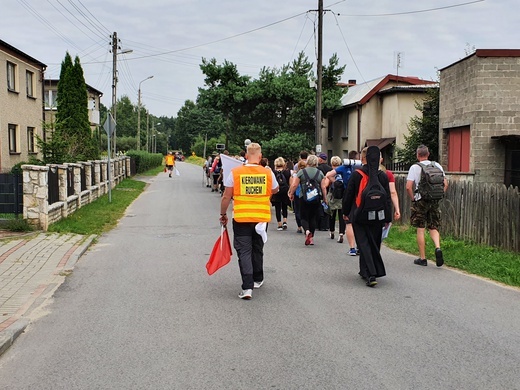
pixel 481 260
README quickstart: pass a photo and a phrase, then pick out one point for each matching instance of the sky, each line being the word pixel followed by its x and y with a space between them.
pixel 169 38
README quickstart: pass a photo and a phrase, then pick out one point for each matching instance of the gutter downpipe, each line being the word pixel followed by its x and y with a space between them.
pixel 359 110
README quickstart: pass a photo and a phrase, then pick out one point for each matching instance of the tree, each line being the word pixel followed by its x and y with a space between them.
pixel 72 138
pixel 423 129
pixel 194 120
pixel 279 101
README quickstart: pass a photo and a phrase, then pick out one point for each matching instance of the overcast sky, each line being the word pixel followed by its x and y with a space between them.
pixel 169 38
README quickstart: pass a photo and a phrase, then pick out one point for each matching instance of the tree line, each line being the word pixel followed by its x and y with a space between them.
pixel 276 109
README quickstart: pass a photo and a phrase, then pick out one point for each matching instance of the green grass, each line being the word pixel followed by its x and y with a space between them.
pixel 153 171
pixel 101 216
pixel 489 262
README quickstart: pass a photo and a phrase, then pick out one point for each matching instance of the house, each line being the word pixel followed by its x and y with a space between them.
pixel 376 112
pixel 479 116
pixel 50 88
pixel 21 102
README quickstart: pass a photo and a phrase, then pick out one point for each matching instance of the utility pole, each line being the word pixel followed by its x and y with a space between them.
pixel 115 48
pixel 319 71
pixel 114 81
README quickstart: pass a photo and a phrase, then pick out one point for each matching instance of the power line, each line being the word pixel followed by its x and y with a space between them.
pixel 75 17
pixel 100 24
pixel 348 48
pixel 415 12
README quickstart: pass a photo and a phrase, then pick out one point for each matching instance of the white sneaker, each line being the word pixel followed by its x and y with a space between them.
pixel 258 284
pixel 246 294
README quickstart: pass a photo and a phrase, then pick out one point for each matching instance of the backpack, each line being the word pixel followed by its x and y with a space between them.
pixel 282 182
pixel 338 187
pixel 431 185
pixel 311 190
pixel 371 200
pixel 218 167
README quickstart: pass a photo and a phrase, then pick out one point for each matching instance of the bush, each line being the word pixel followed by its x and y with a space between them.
pixel 17 225
pixel 145 161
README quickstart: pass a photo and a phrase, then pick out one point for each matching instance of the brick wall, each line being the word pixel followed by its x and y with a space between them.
pixel 482 92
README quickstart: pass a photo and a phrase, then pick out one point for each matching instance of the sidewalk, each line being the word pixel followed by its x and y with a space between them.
pixel 31 268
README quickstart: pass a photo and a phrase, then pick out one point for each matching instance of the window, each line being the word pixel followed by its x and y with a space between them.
pixel 29 79
pixel 13 138
pixel 330 127
pixel 11 76
pixel 50 100
pixel 30 140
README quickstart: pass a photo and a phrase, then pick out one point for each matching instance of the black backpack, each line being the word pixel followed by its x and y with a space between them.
pixel 311 190
pixel 337 187
pixel 282 182
pixel 431 185
pixel 372 200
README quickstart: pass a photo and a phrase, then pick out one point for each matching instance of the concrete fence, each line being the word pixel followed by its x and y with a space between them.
pixel 77 185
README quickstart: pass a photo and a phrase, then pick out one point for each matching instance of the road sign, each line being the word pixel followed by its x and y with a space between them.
pixel 109 125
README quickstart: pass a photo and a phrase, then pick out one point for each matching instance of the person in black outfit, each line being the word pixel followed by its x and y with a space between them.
pixel 368 235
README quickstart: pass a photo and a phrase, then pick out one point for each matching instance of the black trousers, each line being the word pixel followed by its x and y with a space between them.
pixel 250 250
pixel 368 240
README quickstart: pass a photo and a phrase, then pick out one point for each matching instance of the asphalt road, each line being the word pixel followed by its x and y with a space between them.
pixel 140 312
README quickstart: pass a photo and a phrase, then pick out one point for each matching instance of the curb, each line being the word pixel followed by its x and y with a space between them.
pixel 10 334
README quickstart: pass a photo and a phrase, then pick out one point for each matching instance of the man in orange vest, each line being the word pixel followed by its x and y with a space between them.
pixel 170 162
pixel 251 186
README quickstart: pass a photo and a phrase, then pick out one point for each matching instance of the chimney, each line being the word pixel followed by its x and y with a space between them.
pixel 351 82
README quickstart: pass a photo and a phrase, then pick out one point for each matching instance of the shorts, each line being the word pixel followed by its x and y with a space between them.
pixel 425 215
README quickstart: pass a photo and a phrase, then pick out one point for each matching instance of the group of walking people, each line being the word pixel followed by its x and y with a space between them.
pixel 316 191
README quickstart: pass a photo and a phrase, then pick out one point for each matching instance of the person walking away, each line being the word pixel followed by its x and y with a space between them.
pixel 393 191
pixel 251 186
pixel 216 170
pixel 345 170
pixel 309 178
pixel 323 216
pixel 170 162
pixel 425 196
pixel 207 170
pixel 296 200
pixel 366 186
pixel 335 192
pixel 280 200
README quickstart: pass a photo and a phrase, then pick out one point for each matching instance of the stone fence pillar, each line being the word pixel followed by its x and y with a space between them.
pixel 36 195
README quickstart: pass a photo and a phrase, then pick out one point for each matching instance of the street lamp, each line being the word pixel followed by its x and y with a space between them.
pixel 153 136
pixel 139 113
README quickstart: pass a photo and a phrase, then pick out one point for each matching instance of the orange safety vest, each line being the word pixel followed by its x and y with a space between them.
pixel 251 193
pixel 170 159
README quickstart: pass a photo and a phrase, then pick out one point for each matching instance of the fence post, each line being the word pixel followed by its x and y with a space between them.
pixel 35 195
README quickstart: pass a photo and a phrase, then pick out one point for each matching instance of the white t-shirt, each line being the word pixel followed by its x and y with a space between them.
pixel 414 174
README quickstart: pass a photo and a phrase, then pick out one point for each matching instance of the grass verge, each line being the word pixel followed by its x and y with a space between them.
pixel 101 216
pixel 489 262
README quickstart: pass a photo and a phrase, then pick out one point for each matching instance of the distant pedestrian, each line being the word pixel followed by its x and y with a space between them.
pixel 207 170
pixel 280 200
pixel 425 214
pixel 323 217
pixel 309 210
pixel 296 200
pixel 335 201
pixel 170 162
pixel 250 185
pixel 345 170
pixel 216 173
